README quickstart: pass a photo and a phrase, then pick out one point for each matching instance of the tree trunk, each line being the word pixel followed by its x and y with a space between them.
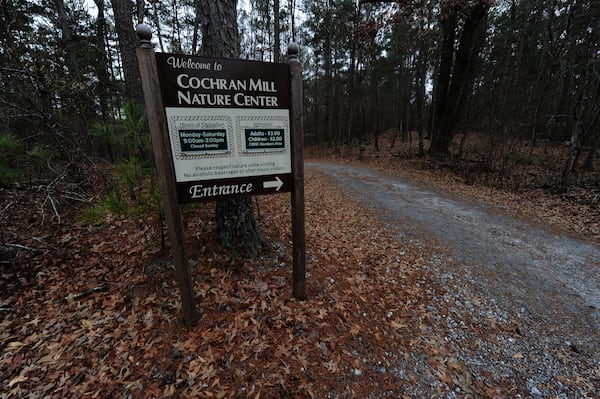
pixel 352 84
pixel 197 21
pixel 156 19
pixel 236 226
pixel 220 37
pixel 128 42
pixel 101 67
pixel 67 42
pixel 456 80
pixel 439 143
pixel 292 7
pixel 328 77
pixel 276 32
pixel 140 10
pixel 420 81
pixel 588 164
pixel 573 143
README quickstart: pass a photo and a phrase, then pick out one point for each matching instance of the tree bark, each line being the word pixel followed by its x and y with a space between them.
pixel 588 164
pixel 455 80
pixel 276 32
pixel 572 144
pixel 439 144
pixel 420 81
pixel 102 65
pixel 196 31
pixel 67 41
pixel 236 226
pixel 128 42
pixel 220 37
pixel 140 10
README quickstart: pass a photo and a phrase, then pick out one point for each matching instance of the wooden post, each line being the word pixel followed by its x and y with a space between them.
pixel 166 172
pixel 297 137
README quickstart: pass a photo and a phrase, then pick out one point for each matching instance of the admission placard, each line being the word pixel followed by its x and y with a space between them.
pixel 228 124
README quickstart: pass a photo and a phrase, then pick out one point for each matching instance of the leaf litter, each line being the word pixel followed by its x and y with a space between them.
pixel 383 318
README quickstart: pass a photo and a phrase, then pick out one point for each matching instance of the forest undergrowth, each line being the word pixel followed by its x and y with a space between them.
pixel 92 309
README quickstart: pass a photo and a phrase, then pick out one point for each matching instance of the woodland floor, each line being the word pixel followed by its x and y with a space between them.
pixel 525 185
pixel 375 323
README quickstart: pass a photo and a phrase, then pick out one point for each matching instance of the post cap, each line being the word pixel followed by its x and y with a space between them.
pixel 293 49
pixel 144 33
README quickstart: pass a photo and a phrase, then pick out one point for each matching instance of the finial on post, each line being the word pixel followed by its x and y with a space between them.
pixel 293 50
pixel 144 33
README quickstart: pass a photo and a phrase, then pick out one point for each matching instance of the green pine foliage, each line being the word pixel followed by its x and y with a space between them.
pixel 17 163
pixel 8 147
pixel 134 190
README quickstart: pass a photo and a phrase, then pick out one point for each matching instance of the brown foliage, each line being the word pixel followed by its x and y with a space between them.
pixel 367 327
pixel 366 312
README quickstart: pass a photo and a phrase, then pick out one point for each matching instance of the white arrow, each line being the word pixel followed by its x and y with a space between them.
pixel 276 184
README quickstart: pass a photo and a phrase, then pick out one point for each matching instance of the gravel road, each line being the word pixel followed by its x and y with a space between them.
pixel 550 283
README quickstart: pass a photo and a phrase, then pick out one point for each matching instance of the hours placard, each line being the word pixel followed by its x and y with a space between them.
pixel 203 141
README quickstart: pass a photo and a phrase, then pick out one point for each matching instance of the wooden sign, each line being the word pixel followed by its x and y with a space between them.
pixel 228 125
pixel 223 128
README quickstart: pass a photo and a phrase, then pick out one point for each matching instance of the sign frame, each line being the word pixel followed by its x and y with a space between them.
pixel 272 183
pixel 228 120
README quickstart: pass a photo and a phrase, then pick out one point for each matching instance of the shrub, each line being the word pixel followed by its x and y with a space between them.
pixel 522 158
pixel 9 173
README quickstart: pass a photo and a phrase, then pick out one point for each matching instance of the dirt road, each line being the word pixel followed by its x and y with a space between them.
pixel 550 279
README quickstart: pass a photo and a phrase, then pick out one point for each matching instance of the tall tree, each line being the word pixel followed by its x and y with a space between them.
pixel 540 77
pixel 276 32
pixel 47 83
pixel 330 30
pixel 128 42
pixel 236 225
pixel 456 68
pixel 101 65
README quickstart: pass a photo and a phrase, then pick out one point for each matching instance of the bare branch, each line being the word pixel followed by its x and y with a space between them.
pixel 72 297
pixel 5 209
pixel 20 247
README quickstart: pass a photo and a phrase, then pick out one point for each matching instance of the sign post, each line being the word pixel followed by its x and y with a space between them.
pixel 166 173
pixel 298 232
pixel 224 128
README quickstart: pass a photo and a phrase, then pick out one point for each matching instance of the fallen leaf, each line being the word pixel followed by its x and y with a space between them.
pixel 397 325
pixel 16 380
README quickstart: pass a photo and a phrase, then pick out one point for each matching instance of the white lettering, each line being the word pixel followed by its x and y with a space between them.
pixel 203 99
pixel 254 101
pixel 180 82
pixel 199 191
pixel 262 85
pixel 180 63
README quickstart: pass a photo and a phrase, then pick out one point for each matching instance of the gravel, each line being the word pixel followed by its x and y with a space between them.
pixel 524 302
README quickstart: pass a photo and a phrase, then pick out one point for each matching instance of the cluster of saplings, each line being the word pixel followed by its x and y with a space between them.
pixel 123 149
